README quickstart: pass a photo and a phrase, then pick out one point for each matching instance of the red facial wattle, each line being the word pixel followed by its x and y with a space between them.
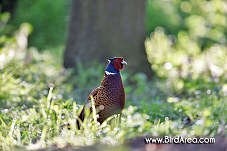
pixel 119 63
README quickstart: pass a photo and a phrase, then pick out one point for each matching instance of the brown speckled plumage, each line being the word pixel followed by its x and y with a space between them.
pixel 109 97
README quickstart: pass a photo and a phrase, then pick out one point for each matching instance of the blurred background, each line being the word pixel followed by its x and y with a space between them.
pixel 190 27
pixel 176 80
pixel 180 39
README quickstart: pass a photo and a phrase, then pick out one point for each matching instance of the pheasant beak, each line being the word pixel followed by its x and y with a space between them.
pixel 124 62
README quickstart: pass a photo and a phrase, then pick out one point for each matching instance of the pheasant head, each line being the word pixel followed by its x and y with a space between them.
pixel 115 65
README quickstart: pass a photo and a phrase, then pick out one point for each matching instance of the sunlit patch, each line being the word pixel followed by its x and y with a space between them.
pixel 168 65
pixel 186 6
pixel 224 89
pixel 172 99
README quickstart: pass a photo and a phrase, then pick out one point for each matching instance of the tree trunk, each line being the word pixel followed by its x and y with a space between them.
pixel 100 29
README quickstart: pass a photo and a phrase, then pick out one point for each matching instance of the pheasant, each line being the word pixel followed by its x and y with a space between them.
pixel 109 97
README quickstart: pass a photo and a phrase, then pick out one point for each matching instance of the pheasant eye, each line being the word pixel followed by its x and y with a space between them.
pixel 122 66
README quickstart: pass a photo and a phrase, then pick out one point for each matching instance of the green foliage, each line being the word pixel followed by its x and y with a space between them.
pixel 206 19
pixel 158 14
pixel 192 66
pixel 48 19
pixel 4 17
pixel 197 55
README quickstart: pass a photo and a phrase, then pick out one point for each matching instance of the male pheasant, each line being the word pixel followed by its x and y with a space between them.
pixel 109 97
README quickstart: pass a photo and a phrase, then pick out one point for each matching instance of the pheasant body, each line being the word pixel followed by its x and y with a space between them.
pixel 109 97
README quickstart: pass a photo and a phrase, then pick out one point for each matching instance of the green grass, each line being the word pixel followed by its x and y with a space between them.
pixel 38 96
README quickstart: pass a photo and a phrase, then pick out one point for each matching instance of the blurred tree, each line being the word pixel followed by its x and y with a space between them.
pixel 102 29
